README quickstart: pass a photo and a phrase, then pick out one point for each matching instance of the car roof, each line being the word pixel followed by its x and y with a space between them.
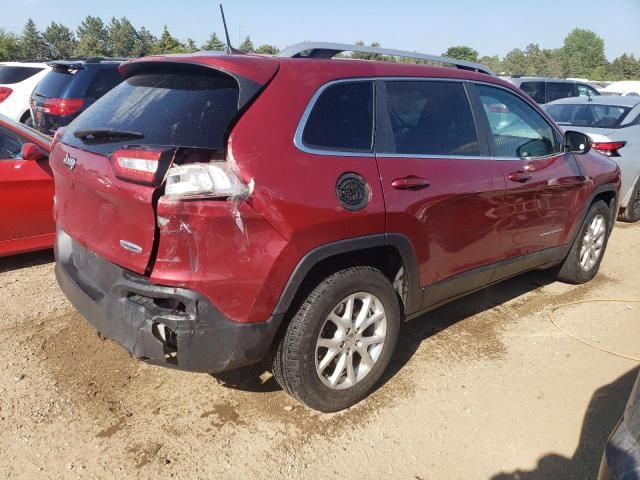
pixel 526 78
pixel 612 100
pixel 24 64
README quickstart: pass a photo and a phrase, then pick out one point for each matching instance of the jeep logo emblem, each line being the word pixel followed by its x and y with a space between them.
pixel 352 191
pixel 69 161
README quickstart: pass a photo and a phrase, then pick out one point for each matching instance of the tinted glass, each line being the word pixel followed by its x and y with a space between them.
pixel 54 83
pixel 10 144
pixel 186 109
pixel 588 115
pixel 104 80
pixel 586 90
pixel 9 75
pixel 342 118
pixel 431 118
pixel 556 90
pixel 534 89
pixel 518 130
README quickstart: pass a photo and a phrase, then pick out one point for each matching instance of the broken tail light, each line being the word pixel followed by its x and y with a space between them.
pixel 4 93
pixel 139 165
pixel 63 106
pixel 205 180
pixel 610 149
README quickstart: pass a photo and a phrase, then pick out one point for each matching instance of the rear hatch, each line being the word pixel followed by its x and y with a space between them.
pixel 50 100
pixel 166 109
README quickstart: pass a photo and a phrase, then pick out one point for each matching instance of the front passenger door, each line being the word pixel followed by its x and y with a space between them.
pixel 544 184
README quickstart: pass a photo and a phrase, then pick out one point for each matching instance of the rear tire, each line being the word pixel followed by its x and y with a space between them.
pixel 632 212
pixel 340 341
pixel 583 260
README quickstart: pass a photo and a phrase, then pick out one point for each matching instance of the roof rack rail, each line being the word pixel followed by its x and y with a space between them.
pixel 329 50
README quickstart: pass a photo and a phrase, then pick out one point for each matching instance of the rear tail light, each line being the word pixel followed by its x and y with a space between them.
pixel 63 106
pixel 610 149
pixel 211 180
pixel 4 93
pixel 138 164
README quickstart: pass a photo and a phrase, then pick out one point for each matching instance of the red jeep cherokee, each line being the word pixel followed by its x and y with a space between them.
pixel 212 207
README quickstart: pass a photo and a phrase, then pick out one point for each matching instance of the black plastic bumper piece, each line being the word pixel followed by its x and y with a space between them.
pixel 168 326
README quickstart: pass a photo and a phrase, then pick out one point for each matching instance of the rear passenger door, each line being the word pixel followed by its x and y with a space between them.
pixel 543 182
pixel 441 189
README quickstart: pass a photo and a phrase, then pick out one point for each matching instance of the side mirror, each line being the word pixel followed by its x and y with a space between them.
pixel 30 151
pixel 576 142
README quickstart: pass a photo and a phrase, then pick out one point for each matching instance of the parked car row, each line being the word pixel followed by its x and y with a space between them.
pixel 49 96
pixel 213 208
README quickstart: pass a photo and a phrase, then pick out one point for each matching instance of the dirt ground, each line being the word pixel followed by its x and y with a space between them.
pixel 485 388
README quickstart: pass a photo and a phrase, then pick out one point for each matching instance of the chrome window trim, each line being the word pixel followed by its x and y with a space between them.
pixel 297 139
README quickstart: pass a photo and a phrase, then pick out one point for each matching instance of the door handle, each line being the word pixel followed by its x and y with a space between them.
pixel 520 176
pixel 410 183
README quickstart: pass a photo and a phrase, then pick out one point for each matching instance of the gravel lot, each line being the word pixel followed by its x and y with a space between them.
pixel 484 388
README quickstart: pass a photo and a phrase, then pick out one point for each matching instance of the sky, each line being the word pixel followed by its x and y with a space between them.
pixel 489 26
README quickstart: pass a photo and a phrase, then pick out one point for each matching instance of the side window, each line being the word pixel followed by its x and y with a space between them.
pixel 556 90
pixel 517 129
pixel 535 90
pixel 430 118
pixel 10 144
pixel 586 91
pixel 104 81
pixel 342 119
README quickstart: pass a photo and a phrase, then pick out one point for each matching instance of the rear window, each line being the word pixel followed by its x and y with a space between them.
pixel 342 119
pixel 534 89
pixel 178 109
pixel 54 83
pixel 9 74
pixel 603 116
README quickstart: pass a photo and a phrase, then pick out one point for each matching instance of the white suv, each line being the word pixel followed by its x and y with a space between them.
pixel 17 81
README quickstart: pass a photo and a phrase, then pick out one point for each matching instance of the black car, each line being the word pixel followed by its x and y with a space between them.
pixel 621 459
pixel 69 88
pixel 544 90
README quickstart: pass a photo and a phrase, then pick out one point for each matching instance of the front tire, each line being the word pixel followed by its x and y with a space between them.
pixel 583 260
pixel 340 341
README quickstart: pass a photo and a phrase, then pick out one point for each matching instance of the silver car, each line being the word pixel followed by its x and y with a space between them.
pixel 613 123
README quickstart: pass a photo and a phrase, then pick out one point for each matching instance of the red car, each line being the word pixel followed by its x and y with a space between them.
pixel 211 208
pixel 26 189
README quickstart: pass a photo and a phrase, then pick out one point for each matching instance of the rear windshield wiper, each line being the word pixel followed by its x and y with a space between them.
pixel 105 134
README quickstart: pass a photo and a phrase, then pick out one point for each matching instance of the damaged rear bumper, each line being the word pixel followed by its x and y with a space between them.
pixel 168 326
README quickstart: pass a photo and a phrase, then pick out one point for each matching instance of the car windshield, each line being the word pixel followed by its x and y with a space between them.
pixel 588 115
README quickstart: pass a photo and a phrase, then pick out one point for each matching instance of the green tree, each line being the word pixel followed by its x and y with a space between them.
pixel 61 42
pixel 515 62
pixel 93 38
pixel 122 37
pixel 367 56
pixel 537 63
pixel 191 46
pixel 267 49
pixel 168 44
pixel 625 67
pixel 247 45
pixel 32 44
pixel 9 46
pixel 145 43
pixel 555 62
pixel 462 53
pixel 493 62
pixel 214 44
pixel 583 52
